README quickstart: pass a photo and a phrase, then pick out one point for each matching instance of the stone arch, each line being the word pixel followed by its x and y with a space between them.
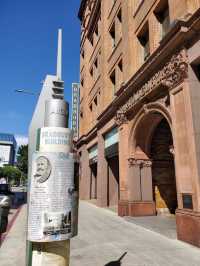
pixel 151 146
pixel 138 138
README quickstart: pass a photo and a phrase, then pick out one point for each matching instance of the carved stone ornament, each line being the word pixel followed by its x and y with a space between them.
pixel 175 70
pixel 141 163
pixel 120 119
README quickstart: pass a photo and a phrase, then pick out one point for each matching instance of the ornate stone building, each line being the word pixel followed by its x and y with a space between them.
pixel 139 138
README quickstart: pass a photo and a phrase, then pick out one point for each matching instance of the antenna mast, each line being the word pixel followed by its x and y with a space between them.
pixel 59 55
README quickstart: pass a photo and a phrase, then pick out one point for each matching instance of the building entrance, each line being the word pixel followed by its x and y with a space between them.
pixel 93 181
pixel 163 170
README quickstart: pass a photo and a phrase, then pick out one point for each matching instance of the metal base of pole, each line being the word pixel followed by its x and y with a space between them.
pixel 51 253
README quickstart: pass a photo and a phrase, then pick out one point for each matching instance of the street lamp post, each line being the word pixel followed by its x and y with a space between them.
pixel 27 92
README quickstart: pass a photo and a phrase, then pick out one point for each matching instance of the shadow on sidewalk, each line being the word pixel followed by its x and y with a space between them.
pixel 116 262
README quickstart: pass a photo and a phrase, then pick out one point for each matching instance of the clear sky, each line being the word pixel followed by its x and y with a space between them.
pixel 28 47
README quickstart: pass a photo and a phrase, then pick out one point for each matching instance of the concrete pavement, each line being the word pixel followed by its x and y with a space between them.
pixel 104 237
pixel 12 251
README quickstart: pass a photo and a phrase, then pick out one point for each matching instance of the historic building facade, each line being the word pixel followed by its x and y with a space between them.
pixel 139 136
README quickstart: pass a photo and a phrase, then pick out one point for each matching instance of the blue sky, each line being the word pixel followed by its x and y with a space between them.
pixel 28 46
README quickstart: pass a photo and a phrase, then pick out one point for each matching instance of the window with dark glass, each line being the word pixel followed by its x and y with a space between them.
pixel 119 16
pixel 120 65
pixel 113 35
pixel 144 41
pixel 113 80
pixel 95 101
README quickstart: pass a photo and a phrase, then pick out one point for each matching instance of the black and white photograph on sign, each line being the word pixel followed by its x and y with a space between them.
pixel 43 169
pixel 56 223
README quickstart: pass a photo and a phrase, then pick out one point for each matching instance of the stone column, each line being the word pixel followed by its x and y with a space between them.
pixel 123 167
pixel 84 174
pixel 102 174
pixel 140 199
pixel 185 101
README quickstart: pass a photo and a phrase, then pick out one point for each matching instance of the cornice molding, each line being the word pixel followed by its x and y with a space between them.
pixel 173 72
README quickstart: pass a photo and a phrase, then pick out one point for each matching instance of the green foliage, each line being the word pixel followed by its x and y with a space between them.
pixel 1 172
pixel 11 173
pixel 22 159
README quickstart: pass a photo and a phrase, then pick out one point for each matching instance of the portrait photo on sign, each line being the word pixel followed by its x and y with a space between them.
pixel 43 169
pixel 55 223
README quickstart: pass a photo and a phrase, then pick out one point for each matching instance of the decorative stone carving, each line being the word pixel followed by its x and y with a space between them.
pixel 120 119
pixel 175 70
pixel 141 163
pixel 165 100
pixel 145 108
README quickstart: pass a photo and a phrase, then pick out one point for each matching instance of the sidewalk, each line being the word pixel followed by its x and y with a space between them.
pixel 103 238
pixel 12 251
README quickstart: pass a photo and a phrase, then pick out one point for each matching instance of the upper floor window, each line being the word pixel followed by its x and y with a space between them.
pixel 82 82
pixel 119 16
pixel 113 35
pixel 96 101
pixel 120 73
pixel 144 41
pixel 113 81
pixel 94 70
pixel 162 14
pixel 96 31
pixel 83 53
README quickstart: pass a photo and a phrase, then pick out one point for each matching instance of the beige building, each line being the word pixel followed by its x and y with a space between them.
pixel 139 138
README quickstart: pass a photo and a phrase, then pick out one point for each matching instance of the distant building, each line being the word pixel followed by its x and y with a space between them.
pixel 75 109
pixel 8 147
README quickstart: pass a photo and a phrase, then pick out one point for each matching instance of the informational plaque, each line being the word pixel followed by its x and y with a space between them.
pixel 55 139
pixel 53 207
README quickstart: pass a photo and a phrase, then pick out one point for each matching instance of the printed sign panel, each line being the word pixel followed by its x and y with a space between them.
pixel 4 154
pixel 75 108
pixel 55 139
pixel 53 201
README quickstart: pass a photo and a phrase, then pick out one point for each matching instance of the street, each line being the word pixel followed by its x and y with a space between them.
pixel 103 238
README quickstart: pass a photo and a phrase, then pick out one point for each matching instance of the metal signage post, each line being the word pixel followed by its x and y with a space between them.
pixel 53 200
pixel 52 218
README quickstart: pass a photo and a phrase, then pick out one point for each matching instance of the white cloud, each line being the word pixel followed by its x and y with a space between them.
pixel 21 140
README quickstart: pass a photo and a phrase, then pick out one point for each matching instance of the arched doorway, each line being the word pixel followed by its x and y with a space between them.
pixel 163 170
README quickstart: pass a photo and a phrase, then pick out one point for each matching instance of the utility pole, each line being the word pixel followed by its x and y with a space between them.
pixel 52 201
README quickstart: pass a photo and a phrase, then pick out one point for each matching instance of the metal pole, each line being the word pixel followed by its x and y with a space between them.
pixel 52 253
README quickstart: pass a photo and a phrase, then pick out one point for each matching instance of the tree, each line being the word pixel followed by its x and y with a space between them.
pixel 12 174
pixel 1 172
pixel 22 159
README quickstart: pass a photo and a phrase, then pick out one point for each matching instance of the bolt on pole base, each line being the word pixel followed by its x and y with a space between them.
pixel 51 253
